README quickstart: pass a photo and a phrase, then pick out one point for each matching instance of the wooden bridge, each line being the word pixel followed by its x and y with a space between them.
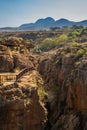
pixel 13 77
pixel 7 77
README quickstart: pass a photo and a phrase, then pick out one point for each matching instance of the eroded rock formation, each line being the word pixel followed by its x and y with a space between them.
pixel 6 60
pixel 66 76
pixel 20 106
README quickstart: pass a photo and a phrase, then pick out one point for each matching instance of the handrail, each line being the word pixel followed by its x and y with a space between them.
pixel 23 72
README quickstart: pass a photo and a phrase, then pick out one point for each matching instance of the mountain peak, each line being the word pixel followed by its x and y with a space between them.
pixel 63 20
pixel 50 19
pixel 45 20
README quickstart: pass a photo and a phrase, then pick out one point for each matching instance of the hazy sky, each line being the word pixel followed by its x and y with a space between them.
pixel 17 12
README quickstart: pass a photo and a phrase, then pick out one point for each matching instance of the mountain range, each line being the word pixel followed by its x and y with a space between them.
pixel 45 24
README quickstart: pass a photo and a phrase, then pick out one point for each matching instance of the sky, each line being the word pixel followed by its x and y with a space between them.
pixel 16 12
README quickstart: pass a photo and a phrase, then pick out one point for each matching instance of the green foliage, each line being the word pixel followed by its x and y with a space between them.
pixel 35 49
pixel 47 44
pixel 41 93
pixel 80 52
pixel 75 44
pixel 77 63
pixel 73 34
pixel 62 38
pixel 50 43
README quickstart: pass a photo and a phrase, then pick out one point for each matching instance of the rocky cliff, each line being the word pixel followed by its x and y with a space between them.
pixel 20 106
pixel 5 59
pixel 65 74
pixel 12 60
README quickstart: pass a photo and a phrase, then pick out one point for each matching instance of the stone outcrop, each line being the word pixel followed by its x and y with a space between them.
pixel 20 107
pixel 12 60
pixel 6 60
pixel 21 61
pixel 77 88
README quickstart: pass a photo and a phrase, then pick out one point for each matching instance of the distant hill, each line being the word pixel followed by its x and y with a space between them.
pixel 45 24
pixel 63 22
pixel 8 29
pixel 40 24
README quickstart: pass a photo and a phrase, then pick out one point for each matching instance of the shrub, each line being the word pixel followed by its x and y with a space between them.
pixel 47 44
pixel 50 43
pixel 75 44
pixel 41 93
pixel 80 52
pixel 74 34
pixel 61 39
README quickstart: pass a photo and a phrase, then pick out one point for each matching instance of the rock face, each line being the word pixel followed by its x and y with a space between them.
pixel 77 90
pixel 19 114
pixel 11 60
pixel 20 107
pixel 6 64
pixel 21 61
pixel 6 61
pixel 66 76
pixel 20 104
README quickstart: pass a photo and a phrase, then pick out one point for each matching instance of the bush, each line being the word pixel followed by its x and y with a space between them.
pixel 74 34
pixel 61 39
pixel 80 52
pixel 75 44
pixel 41 93
pixel 47 44
pixel 50 43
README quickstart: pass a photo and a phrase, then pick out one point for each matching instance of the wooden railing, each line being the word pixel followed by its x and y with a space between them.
pixel 7 77
pixel 23 72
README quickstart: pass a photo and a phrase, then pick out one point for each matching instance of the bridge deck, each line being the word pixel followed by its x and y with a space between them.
pixel 8 74
pixel 8 77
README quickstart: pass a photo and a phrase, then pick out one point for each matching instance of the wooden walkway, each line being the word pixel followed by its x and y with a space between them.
pixel 7 77
pixel 12 77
